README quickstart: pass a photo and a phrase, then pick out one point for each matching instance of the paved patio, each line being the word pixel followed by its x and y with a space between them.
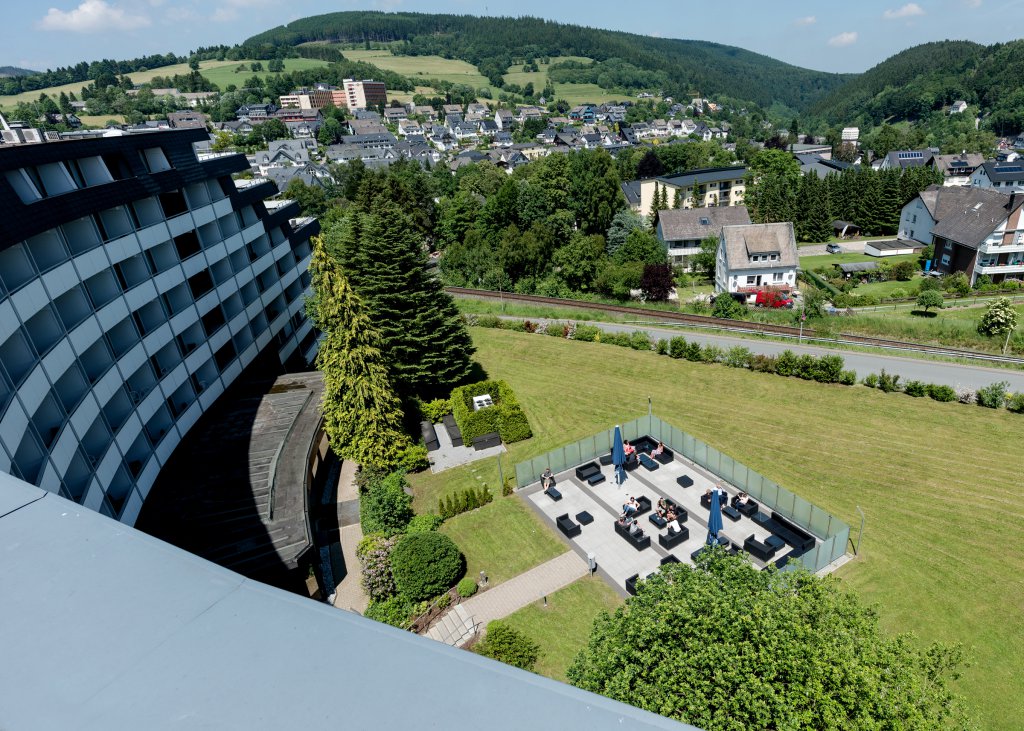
pixel 616 558
pixel 448 455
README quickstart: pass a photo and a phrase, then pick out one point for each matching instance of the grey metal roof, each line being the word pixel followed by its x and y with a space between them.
pixel 104 627
pixel 682 224
pixel 968 215
pixel 858 266
pixel 759 238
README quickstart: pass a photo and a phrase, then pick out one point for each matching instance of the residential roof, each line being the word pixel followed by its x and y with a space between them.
pixel 1004 171
pixel 742 242
pixel 682 224
pixel 144 635
pixel 704 175
pixel 969 215
pixel 858 266
pixel 958 164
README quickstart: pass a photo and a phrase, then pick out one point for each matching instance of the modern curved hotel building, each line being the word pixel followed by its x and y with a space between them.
pixel 137 280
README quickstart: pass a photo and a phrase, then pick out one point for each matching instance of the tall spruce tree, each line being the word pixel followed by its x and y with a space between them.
pixel 425 342
pixel 362 412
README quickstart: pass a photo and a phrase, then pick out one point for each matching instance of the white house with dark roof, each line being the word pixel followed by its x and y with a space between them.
pixel 723 186
pixel 1004 177
pixel 756 257
pixel 682 230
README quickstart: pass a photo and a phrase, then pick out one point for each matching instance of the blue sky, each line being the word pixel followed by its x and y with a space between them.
pixel 830 36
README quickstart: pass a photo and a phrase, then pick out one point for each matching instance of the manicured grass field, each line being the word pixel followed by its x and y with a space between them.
pixel 503 539
pixel 422 67
pixel 939 483
pixel 587 94
pixel 562 628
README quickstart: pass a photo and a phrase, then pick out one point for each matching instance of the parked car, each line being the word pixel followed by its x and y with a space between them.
pixel 773 299
pixel 834 249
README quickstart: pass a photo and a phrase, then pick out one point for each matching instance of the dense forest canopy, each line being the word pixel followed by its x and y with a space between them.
pixel 494 44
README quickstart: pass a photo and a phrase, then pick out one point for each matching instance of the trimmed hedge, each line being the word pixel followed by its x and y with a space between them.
pixel 463 501
pixel 506 416
pixel 466 587
pixel 425 565
pixel 384 506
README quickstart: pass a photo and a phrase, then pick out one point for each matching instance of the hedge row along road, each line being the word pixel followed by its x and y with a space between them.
pixel 739 326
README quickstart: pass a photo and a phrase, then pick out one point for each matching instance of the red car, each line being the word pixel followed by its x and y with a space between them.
pixel 766 298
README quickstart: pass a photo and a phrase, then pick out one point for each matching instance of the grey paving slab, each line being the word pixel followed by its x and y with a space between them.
pixel 448 455
pixel 349 592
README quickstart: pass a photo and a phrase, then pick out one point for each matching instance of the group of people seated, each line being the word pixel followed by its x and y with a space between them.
pixel 722 494
pixel 668 514
pixel 742 498
pixel 627 521
pixel 630 451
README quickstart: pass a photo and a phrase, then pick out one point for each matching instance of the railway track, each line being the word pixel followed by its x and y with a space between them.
pixel 715 323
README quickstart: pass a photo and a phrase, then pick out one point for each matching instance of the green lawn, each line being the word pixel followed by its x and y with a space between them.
pixel 503 539
pixel 884 289
pixel 939 483
pixel 824 260
pixel 562 628
pixel 587 94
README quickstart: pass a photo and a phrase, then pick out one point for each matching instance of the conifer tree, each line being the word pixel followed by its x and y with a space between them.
pixel 425 342
pixel 362 412
pixel 678 202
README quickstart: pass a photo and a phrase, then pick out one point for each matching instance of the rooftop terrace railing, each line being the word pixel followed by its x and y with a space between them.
pixel 833 533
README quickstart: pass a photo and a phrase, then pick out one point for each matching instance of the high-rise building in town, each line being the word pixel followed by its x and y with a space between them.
pixel 365 94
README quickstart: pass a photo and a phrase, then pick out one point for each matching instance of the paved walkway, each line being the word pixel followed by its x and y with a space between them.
pixel 349 593
pixel 448 455
pixel 524 589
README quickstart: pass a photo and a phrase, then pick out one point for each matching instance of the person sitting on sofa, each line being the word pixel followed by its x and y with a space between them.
pixel 742 498
pixel 630 507
pixel 673 525
pixel 662 507
pixel 547 479
pixel 624 520
pixel 628 449
pixel 657 451
pixel 707 493
pixel 636 530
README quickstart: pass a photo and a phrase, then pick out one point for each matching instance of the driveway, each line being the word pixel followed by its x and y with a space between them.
pixel 849 247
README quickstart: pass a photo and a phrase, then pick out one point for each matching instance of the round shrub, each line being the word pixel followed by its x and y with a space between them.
pixel 414 458
pixel 941 392
pixel 374 553
pixel 1015 403
pixel 917 389
pixel 871 380
pixel 395 610
pixel 508 645
pixel 425 564
pixel 423 523
pixel 466 587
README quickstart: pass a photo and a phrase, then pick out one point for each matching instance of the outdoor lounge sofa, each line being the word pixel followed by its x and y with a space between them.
pixel 429 436
pixel 791 534
pixel 585 471
pixel 748 508
pixel 666 456
pixel 553 493
pixel 705 501
pixel 648 464
pixel 568 526
pixel 670 540
pixel 453 430
pixel 643 505
pixel 631 584
pixel 638 542
pixel 757 549
pixel 671 558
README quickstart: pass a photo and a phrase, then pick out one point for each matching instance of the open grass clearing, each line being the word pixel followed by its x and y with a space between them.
pixel 588 94
pixel 227 72
pixel 422 67
pixel 503 538
pixel 562 627
pixel 939 483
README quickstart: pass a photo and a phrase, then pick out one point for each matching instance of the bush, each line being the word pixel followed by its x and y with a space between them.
pixel 888 382
pixel 661 348
pixel 514 325
pixel 488 321
pixel 829 369
pixel 463 501
pixel 586 333
pixel 930 283
pixel 806 365
pixel 640 340
pixel 727 307
pixel 556 330
pixel 958 284
pixel 529 327
pixel 711 354
pixel 903 270
pixel 848 378
pixel 999 318
pixel 763 363
pixel 994 395
pixel 621 339
pixel 940 392
pixel 871 380
pixel 435 410
pixel 423 523
pixel 374 554
pixel 384 506
pixel 413 458
pixel 930 298
pixel 508 645
pixel 506 416
pixel 897 294
pixel 1015 403
pixel 693 351
pixel 785 364
pixel 425 564
pixel 466 587
pixel 738 357
pixel 917 389
pixel 395 610
pixel 964 395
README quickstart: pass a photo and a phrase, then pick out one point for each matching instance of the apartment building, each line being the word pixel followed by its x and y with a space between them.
pixel 364 94
pixel 137 280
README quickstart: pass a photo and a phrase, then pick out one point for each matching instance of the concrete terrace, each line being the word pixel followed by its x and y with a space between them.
pixel 617 559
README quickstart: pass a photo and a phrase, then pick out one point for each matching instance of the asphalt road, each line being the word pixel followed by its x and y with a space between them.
pixel 909 369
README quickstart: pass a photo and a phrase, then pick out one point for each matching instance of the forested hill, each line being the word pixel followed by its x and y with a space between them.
pixel 680 68
pixel 925 78
pixel 15 71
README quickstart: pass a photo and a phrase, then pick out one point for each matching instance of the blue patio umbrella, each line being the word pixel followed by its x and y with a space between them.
pixel 618 456
pixel 715 518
